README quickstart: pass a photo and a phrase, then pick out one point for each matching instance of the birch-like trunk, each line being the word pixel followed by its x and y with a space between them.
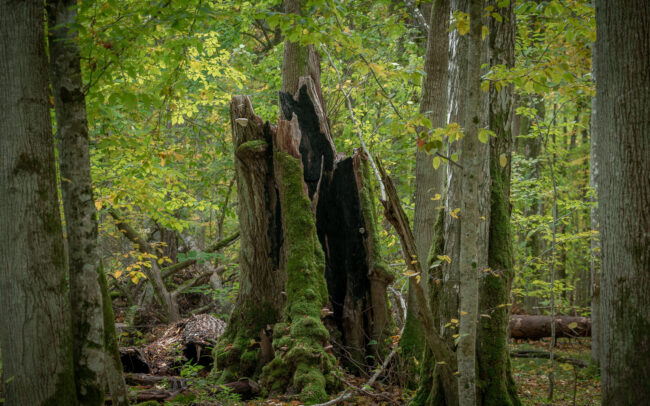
pixel 36 336
pixel 473 215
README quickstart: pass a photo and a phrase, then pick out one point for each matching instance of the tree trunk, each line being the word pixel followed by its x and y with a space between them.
pixel 78 202
pixel 112 361
pixel 473 211
pixel 497 386
pixel 428 181
pixel 623 119
pixel 36 338
pixel 262 267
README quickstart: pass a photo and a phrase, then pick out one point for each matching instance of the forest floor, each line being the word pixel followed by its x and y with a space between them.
pixel 573 385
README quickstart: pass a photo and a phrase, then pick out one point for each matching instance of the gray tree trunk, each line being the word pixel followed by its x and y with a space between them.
pixel 474 214
pixel 428 181
pixel 78 203
pixel 498 387
pixel 36 337
pixel 622 149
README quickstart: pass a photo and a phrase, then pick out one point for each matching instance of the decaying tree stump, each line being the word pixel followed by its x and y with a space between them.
pixel 308 214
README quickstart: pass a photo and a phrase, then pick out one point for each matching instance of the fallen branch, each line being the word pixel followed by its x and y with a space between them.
pixel 172 269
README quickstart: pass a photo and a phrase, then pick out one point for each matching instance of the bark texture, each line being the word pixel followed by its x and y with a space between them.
pixel 78 202
pixel 473 214
pixel 36 336
pixel 496 384
pixel 428 181
pixel 623 125
pixel 262 279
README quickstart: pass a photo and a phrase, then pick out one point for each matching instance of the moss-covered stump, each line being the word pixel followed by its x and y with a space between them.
pixel 240 350
pixel 301 361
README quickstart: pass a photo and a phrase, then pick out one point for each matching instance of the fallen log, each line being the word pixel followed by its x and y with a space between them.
pixel 547 355
pixel 536 327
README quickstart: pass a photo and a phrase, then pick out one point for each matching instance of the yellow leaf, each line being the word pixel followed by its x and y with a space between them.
pixel 417 279
pixel 455 321
pixel 98 204
pixel 503 160
pixel 436 162
pixel 117 274
pixel 416 361
pixel 573 325
pixel 436 197
pixel 441 363
pixel 485 31
pixel 463 313
pixel 454 213
pixel 410 273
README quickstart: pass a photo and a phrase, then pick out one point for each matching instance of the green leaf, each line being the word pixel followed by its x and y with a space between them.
pixel 129 100
pixel 483 136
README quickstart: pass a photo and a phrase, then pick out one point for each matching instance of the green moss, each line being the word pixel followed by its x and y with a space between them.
pixel 496 385
pixel 237 352
pixel 300 357
pixel 64 392
pixel 251 147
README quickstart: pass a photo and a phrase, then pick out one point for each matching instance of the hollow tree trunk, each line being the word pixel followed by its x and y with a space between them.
pixel 36 336
pixel 262 275
pixel 623 148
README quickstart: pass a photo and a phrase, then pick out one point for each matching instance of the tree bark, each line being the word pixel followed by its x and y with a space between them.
pixel 623 147
pixel 262 268
pixel 112 361
pixel 497 384
pixel 78 202
pixel 36 336
pixel 473 214
pixel 428 181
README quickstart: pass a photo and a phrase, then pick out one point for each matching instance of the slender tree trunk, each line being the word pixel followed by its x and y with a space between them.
pixel 78 202
pixel 623 147
pixel 473 214
pixel 428 181
pixel 497 385
pixel 36 338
